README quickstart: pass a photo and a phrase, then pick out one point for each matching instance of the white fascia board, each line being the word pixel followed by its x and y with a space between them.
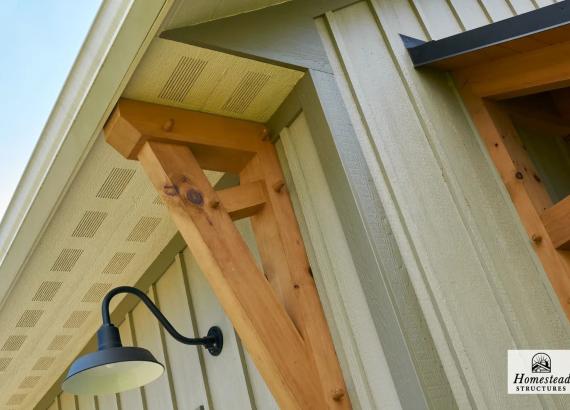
pixel 121 32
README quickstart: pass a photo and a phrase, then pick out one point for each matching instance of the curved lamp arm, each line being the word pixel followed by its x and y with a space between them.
pixel 213 341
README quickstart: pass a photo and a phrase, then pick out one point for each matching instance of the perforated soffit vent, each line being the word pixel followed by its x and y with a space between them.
pixel 182 79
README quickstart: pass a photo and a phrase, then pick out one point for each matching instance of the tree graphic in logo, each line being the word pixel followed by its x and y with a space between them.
pixel 541 363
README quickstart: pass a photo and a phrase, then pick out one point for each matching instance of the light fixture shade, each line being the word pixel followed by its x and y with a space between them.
pixel 112 370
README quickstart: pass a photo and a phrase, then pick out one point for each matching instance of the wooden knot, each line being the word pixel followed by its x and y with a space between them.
pixel 519 175
pixel 338 394
pixel 296 286
pixel 214 203
pixel 195 196
pixel 536 238
pixel 168 125
pixel 278 186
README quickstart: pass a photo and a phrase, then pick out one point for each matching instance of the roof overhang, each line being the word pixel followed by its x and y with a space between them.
pixel 525 32
pixel 71 162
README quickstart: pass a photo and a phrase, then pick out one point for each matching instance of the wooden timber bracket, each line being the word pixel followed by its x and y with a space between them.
pixel 277 313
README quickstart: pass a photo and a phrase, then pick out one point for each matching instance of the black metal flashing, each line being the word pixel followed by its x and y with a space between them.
pixel 536 21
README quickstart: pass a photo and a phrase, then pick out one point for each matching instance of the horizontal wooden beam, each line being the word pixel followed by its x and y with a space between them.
pixel 219 143
pixel 557 223
pixel 242 201
pixel 521 74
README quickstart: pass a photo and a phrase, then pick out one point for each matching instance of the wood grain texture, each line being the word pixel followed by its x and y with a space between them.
pixel 219 143
pixel 557 223
pixel 243 200
pixel 260 394
pixel 538 70
pixel 263 325
pixel 133 130
pixel 285 262
pixel 519 168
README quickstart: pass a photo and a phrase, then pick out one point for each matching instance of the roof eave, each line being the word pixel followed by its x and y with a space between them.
pixel 118 37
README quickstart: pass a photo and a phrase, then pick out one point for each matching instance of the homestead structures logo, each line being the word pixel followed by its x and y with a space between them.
pixel 539 372
pixel 541 363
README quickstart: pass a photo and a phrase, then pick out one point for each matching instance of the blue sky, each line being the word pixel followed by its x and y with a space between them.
pixel 39 40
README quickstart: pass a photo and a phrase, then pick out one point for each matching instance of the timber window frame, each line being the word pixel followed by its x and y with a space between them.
pixel 483 87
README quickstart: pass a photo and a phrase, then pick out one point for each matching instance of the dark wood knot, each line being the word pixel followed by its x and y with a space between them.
pixel 195 196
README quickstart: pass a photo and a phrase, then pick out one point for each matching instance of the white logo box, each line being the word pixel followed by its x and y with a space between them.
pixel 538 371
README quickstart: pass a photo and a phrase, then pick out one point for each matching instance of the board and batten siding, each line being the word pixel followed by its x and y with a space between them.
pixel 480 286
pixel 193 379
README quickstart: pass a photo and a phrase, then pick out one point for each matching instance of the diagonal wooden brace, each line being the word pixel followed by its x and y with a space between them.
pixel 277 313
pixel 262 323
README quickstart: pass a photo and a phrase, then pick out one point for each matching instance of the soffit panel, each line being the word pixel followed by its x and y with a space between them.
pixel 195 78
pixel 108 229
pixel 189 12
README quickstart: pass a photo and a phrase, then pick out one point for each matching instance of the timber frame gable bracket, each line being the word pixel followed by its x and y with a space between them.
pixel 277 312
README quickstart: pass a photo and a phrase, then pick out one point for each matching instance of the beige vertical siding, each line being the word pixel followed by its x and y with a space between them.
pixel 479 284
pixel 132 399
pixel 442 18
pixel 87 403
pixel 67 402
pixel 193 379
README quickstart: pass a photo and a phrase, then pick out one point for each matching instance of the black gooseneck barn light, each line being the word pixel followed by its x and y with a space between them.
pixel 115 368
